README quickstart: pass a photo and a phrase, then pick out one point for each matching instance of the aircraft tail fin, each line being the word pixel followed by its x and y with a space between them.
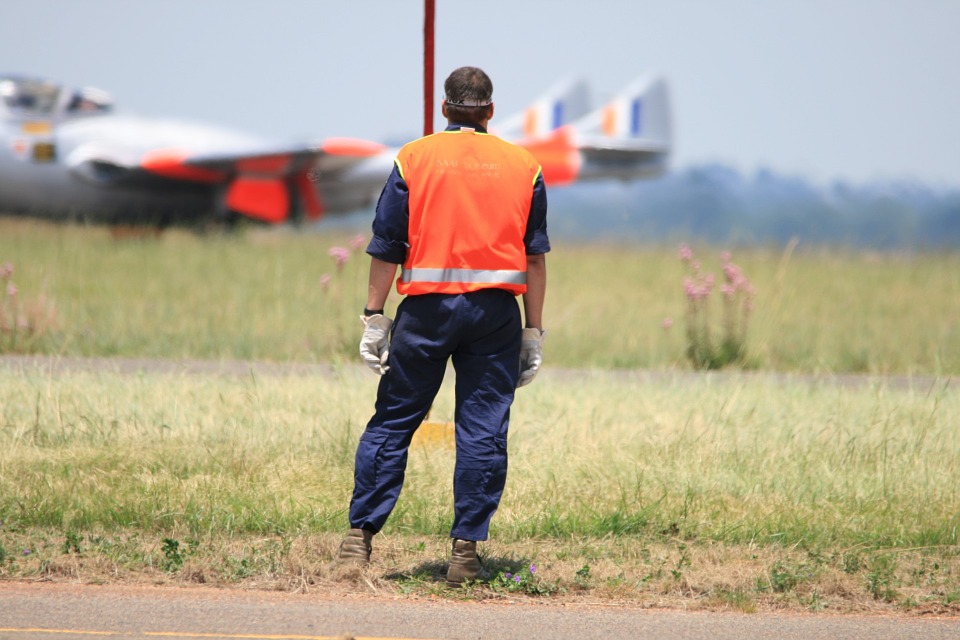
pixel 637 116
pixel 562 104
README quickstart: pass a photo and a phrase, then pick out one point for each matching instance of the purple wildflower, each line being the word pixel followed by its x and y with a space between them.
pixel 533 568
pixel 516 579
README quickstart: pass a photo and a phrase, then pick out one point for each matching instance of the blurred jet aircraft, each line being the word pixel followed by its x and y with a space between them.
pixel 65 154
pixel 629 137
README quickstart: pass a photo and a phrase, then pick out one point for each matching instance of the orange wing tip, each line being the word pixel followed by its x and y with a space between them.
pixel 170 163
pixel 354 147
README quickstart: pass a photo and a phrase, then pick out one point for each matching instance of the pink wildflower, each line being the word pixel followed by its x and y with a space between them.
pixel 6 270
pixel 340 255
pixel 725 257
pixel 731 272
pixel 685 253
pixel 325 281
pixel 12 290
pixel 357 242
pixel 667 323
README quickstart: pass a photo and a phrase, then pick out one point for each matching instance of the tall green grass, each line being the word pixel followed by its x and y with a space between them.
pixel 257 295
pixel 741 460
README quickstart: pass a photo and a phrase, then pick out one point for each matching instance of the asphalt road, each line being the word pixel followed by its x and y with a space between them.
pixel 37 611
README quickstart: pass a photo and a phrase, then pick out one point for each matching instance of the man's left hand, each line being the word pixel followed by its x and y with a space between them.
pixel 375 343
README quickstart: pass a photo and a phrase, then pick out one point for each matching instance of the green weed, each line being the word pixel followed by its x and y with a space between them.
pixel 786 576
pixel 582 576
pixel 881 579
pixel 736 599
pixel 71 542
pixel 172 556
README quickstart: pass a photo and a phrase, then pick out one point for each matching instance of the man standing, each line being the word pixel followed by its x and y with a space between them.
pixel 464 213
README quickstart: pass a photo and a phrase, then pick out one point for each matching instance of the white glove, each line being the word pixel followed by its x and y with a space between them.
pixel 375 343
pixel 531 355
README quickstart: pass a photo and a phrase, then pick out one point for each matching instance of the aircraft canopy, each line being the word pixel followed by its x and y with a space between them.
pixel 37 97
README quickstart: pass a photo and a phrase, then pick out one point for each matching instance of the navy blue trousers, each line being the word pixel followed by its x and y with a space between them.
pixel 480 332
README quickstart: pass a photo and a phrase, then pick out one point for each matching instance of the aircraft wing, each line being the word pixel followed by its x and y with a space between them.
pixel 270 185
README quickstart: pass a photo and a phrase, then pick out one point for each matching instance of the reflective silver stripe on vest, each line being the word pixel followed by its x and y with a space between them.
pixel 477 276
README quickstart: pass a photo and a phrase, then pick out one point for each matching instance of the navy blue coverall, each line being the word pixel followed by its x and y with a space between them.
pixel 480 332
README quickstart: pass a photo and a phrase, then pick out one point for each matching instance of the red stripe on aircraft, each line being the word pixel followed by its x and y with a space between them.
pixel 169 163
pixel 308 196
pixel 265 199
pixel 266 165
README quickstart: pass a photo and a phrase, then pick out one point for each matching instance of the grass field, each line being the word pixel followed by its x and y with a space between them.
pixel 737 490
pixel 259 295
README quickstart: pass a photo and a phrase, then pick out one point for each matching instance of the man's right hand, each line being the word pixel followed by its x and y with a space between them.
pixel 375 343
pixel 531 355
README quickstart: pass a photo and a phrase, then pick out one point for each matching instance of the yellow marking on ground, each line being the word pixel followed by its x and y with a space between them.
pixel 434 434
pixel 74 631
pixel 177 634
pixel 256 636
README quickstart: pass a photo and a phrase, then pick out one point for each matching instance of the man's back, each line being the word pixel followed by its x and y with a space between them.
pixel 469 201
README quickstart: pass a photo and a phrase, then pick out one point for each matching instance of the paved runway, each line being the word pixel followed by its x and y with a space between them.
pixel 38 611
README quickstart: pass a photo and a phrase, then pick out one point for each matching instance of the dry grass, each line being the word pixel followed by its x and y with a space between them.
pixel 745 492
pixel 610 571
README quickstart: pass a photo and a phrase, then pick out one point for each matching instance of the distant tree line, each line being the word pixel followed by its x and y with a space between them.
pixel 716 203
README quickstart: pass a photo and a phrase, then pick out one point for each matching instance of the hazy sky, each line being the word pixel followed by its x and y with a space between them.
pixel 839 89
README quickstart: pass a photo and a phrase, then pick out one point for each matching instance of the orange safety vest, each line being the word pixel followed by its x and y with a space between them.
pixel 469 200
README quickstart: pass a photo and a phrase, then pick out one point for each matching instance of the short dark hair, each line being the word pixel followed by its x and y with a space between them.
pixel 468 92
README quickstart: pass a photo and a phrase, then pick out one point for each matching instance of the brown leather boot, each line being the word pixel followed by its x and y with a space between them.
pixel 464 564
pixel 356 547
